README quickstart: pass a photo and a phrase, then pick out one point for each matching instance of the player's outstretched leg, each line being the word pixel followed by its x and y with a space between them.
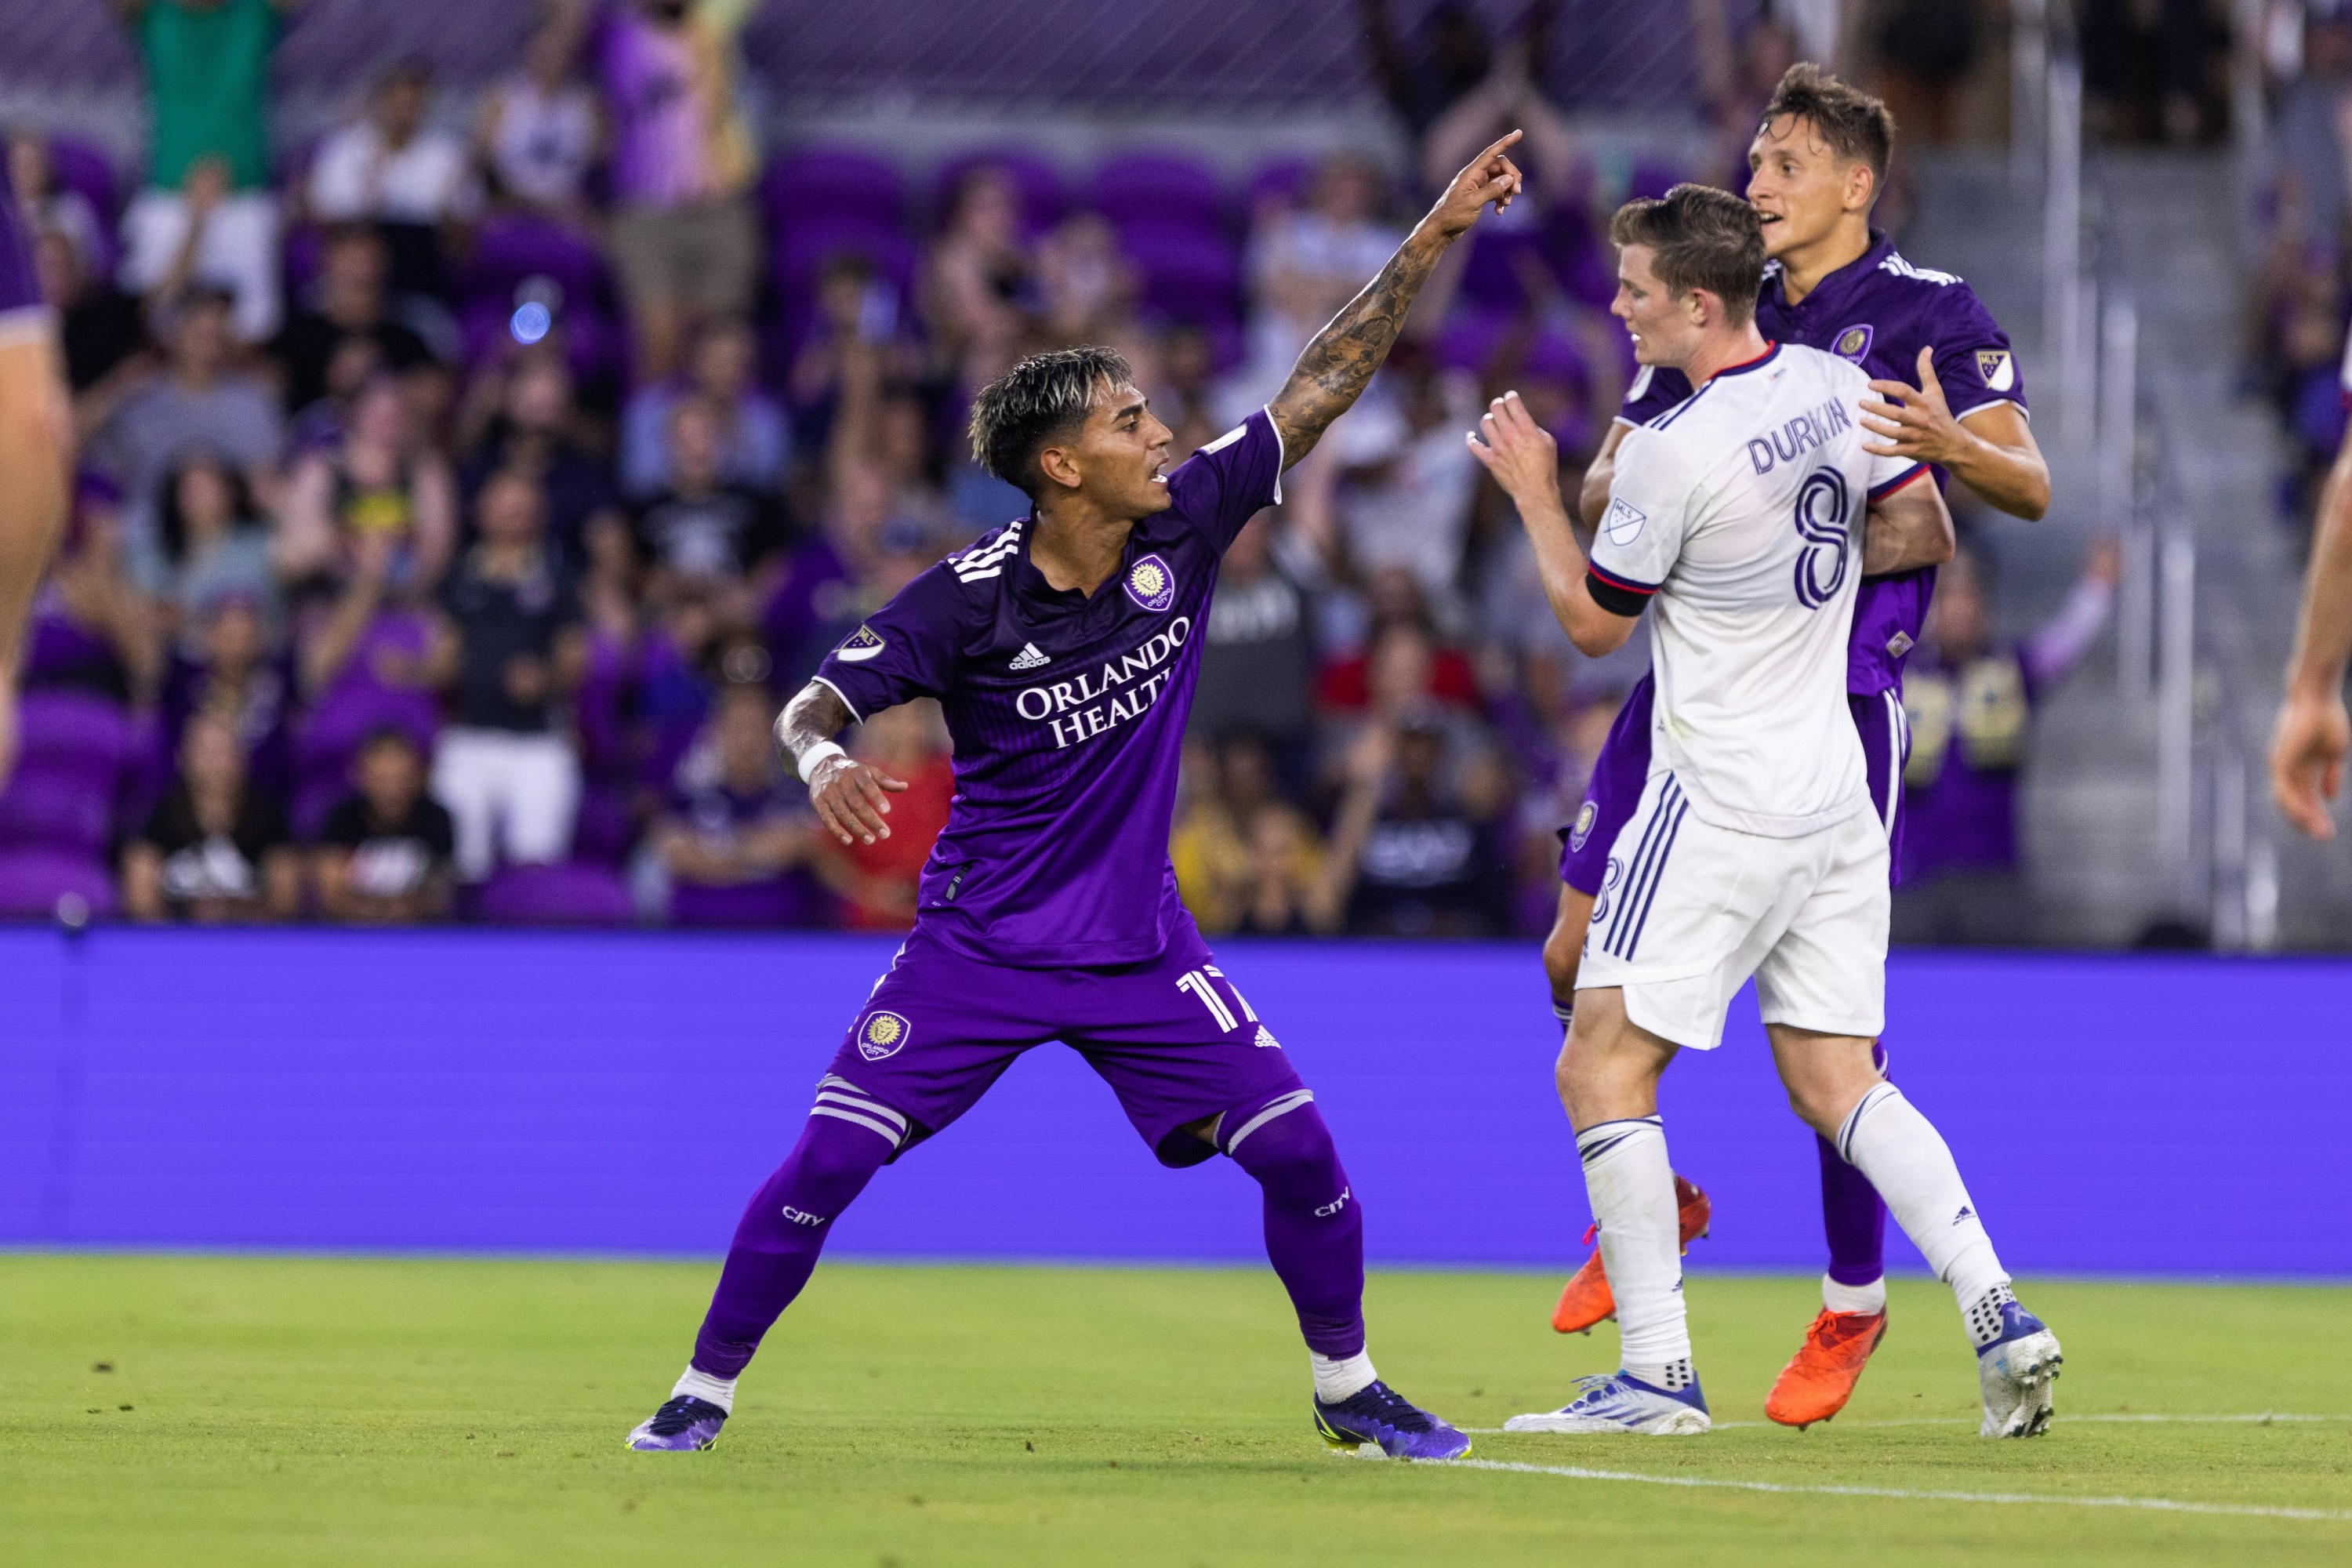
pixel 1314 1239
pixel 1821 1377
pixel 1912 1167
pixel 847 1139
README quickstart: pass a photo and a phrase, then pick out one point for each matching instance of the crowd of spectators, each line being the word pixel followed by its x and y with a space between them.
pixel 463 493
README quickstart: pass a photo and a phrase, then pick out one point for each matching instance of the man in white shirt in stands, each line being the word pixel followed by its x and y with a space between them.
pixel 1748 513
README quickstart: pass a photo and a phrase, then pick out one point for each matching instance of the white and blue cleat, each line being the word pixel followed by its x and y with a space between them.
pixel 2015 1371
pixel 1617 1401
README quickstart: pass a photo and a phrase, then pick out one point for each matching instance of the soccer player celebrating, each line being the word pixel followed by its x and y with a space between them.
pixel 1753 849
pixel 36 448
pixel 1833 283
pixel 1062 647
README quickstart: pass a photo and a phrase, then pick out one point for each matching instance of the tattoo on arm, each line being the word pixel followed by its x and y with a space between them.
pixel 1337 366
pixel 814 715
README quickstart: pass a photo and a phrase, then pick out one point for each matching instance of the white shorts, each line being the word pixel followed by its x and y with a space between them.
pixel 1688 911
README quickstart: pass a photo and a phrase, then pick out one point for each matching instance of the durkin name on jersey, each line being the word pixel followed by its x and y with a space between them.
pixel 1812 428
pixel 1142 665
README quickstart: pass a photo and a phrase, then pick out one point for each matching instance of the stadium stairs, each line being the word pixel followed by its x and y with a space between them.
pixel 2171 224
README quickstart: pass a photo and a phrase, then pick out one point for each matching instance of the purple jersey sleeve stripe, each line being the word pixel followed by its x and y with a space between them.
pixel 1996 401
pixel 1880 492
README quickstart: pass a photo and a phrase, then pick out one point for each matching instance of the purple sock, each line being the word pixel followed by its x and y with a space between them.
pixel 1314 1227
pixel 780 1233
pixel 1853 1215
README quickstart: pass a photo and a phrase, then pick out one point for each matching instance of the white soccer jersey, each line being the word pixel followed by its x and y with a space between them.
pixel 1740 509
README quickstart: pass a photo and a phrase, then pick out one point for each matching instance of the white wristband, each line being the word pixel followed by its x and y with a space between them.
pixel 816 756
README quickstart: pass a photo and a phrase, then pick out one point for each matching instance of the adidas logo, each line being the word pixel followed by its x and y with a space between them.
pixel 1266 1039
pixel 1029 657
pixel 1966 1213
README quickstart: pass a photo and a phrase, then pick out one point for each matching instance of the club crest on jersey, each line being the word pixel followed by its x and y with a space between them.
pixel 1998 370
pixel 885 1035
pixel 1623 523
pixel 1851 344
pixel 862 644
pixel 1150 584
pixel 1585 818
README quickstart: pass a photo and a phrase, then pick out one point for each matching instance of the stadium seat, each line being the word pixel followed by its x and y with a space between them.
pixel 830 182
pixel 33 881
pixel 571 894
pixel 84 168
pixel 785 901
pixel 513 248
pixel 1187 274
pixel 1162 187
pixel 1038 181
pixel 1279 179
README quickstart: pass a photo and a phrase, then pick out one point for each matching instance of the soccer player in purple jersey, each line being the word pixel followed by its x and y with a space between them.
pixel 36 448
pixel 1831 282
pixel 1063 648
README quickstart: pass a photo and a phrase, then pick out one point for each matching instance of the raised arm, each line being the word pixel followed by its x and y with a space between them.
pixel 851 797
pixel 1335 367
pixel 1907 528
pixel 1525 461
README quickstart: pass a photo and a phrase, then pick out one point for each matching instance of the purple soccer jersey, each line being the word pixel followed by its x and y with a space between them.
pixel 1068 714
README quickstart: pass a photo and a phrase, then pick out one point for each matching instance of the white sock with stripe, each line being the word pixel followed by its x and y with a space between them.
pixel 1631 1184
pixel 718 1391
pixel 1912 1167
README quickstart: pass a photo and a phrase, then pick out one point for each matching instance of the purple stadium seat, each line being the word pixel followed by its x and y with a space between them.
pixel 1653 177
pixel 806 247
pixel 1470 339
pixel 33 881
pixel 573 894
pixel 71 730
pixel 1187 274
pixel 1160 187
pixel 84 168
pixel 1284 180
pixel 829 181
pixel 1038 181
pixel 516 246
pixel 46 807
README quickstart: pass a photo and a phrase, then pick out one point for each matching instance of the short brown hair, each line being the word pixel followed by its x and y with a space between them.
pixel 1701 237
pixel 1858 127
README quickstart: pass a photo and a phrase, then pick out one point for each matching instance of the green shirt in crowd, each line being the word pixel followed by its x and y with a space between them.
pixel 208 80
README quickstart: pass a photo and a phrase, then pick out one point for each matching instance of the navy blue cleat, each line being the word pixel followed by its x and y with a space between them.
pixel 1391 1423
pixel 683 1424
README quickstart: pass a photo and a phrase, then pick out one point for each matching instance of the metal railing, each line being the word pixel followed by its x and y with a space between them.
pixel 2218 866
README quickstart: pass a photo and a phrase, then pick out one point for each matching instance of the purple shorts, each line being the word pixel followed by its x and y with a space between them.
pixel 1172 1037
pixel 1623 769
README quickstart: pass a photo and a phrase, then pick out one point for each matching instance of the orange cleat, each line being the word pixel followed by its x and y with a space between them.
pixel 1819 1378
pixel 1586 1300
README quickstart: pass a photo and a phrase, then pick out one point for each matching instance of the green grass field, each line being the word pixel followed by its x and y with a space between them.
pixel 290 1410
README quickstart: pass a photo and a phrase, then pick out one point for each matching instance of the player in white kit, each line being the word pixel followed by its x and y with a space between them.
pixel 1748 514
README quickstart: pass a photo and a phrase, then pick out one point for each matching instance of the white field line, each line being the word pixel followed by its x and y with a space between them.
pixel 1905 1494
pixel 2263 1418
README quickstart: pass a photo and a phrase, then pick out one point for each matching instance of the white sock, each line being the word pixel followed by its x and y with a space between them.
pixel 1910 1165
pixel 718 1391
pixel 1344 1378
pixel 1870 1298
pixel 1631 1188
